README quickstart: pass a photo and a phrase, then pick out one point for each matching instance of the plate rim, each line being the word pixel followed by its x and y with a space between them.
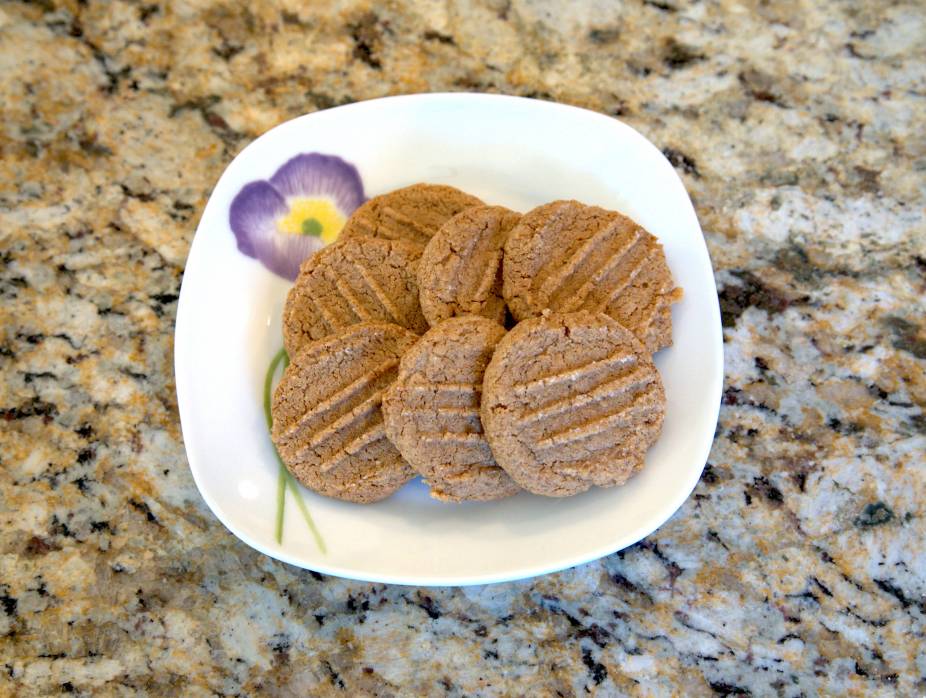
pixel 185 408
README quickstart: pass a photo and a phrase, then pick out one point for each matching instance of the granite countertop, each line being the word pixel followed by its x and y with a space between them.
pixel 798 565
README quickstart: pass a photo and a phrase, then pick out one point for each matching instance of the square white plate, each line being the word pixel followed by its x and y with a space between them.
pixel 506 150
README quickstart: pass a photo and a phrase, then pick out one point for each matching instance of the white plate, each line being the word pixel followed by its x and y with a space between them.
pixel 505 150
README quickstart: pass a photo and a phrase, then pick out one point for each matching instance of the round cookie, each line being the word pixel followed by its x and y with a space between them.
pixel 411 214
pixel 565 256
pixel 570 401
pixel 327 421
pixel 432 411
pixel 351 281
pixel 460 272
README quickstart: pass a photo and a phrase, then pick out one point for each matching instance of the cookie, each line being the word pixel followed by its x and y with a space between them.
pixel 412 214
pixel 327 420
pixel 566 256
pixel 570 401
pixel 352 281
pixel 460 272
pixel 432 411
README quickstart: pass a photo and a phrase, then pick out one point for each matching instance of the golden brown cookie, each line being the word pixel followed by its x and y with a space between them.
pixel 432 411
pixel 327 422
pixel 566 256
pixel 351 281
pixel 411 214
pixel 570 401
pixel 460 272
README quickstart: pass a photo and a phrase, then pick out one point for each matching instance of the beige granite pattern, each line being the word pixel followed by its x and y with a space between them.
pixel 797 567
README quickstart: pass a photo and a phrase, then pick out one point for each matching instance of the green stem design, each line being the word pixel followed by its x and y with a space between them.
pixel 281 501
pixel 285 478
pixel 319 541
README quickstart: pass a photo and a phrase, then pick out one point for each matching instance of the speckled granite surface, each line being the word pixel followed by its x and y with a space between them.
pixel 798 566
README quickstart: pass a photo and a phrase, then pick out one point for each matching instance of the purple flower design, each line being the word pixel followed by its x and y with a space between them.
pixel 299 210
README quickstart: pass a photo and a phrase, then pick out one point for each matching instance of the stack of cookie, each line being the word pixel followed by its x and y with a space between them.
pixel 401 363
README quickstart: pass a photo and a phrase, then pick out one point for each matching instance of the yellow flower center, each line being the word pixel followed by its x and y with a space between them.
pixel 312 216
